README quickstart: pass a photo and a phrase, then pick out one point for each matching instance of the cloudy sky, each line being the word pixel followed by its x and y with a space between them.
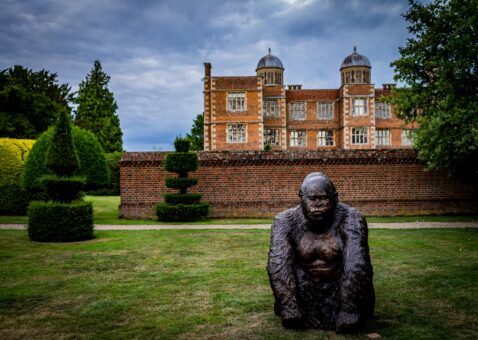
pixel 154 50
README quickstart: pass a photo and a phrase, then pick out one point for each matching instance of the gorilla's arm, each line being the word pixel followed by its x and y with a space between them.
pixel 282 278
pixel 356 295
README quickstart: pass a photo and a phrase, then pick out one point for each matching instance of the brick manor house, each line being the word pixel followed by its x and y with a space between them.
pixel 248 112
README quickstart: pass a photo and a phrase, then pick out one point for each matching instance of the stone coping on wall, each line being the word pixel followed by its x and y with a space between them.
pixel 232 158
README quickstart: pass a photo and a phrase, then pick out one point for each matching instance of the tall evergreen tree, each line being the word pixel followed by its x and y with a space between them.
pixel 96 110
pixel 196 137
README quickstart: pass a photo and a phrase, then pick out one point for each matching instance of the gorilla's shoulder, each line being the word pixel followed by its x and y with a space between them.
pixel 287 217
pixel 354 220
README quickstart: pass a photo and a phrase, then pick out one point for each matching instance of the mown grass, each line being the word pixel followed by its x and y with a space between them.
pixel 213 284
pixel 106 212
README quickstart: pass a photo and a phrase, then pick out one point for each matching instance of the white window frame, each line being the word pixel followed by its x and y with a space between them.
pixel 359 136
pixel 359 106
pixel 382 110
pixel 325 110
pixel 325 137
pixel 382 137
pixel 298 138
pixel 298 110
pixel 271 107
pixel 407 137
pixel 272 137
pixel 236 133
pixel 236 102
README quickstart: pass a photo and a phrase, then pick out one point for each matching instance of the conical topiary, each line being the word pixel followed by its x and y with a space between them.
pixel 62 158
pixel 65 217
pixel 182 206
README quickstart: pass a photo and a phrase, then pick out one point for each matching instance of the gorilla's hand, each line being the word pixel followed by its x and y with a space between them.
pixel 347 322
pixel 292 319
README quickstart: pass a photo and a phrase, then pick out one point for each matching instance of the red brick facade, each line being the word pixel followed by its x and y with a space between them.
pixel 260 184
pixel 352 116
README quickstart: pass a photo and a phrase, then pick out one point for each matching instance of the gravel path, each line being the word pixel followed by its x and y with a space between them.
pixel 407 225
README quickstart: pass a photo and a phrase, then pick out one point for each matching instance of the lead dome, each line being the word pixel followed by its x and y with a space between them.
pixel 271 70
pixel 269 61
pixel 355 60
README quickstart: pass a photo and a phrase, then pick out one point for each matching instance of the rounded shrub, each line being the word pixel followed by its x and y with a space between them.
pixel 60 222
pixel 182 184
pixel 13 198
pixel 182 145
pixel 182 198
pixel 182 212
pixel 181 163
pixel 90 154
pixel 63 189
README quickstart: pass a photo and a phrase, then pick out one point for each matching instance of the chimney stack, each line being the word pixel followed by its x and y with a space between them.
pixel 207 69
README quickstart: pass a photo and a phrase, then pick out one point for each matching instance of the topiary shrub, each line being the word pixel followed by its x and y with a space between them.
pixel 89 152
pixel 182 206
pixel 182 198
pixel 63 189
pixel 13 198
pixel 61 220
pixel 182 184
pixel 182 212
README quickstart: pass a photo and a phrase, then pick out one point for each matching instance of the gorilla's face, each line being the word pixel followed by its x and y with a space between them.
pixel 317 203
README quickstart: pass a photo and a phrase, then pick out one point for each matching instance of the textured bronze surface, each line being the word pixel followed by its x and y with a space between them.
pixel 319 263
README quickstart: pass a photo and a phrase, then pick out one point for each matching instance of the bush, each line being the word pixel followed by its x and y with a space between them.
pixel 60 222
pixel 182 212
pixel 62 158
pixel 181 163
pixel 63 189
pixel 182 144
pixel 182 198
pixel 92 160
pixel 13 153
pixel 13 198
pixel 112 159
pixel 180 183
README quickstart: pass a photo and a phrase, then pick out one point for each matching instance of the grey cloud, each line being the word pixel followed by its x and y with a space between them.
pixel 154 50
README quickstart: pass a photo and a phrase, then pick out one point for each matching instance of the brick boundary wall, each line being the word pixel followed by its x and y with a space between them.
pixel 261 184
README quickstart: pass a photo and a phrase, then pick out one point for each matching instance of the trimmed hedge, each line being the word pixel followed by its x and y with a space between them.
pixel 182 212
pixel 63 189
pixel 60 222
pixel 182 198
pixel 181 163
pixel 14 199
pixel 180 183
pixel 92 160
pixel 13 153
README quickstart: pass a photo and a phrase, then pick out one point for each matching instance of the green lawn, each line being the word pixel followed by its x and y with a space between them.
pixel 191 284
pixel 106 212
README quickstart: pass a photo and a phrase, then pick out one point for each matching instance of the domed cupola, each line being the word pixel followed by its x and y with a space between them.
pixel 270 69
pixel 355 69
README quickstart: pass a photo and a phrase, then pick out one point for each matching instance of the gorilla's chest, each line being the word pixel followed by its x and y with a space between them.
pixel 320 255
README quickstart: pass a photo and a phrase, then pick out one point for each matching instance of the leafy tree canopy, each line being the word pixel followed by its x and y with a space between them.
pixel 196 137
pixel 30 101
pixel 96 109
pixel 438 67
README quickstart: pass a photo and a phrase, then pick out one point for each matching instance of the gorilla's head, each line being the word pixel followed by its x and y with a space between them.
pixel 318 197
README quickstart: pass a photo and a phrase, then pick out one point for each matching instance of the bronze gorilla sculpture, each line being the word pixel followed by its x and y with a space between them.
pixel 319 262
